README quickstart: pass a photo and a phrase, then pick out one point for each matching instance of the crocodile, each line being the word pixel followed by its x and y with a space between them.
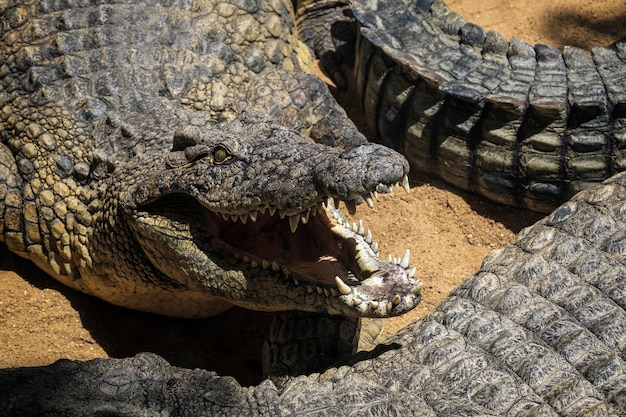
pixel 539 330
pixel 135 167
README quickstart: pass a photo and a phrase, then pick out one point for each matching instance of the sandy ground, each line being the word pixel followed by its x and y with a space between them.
pixel 447 231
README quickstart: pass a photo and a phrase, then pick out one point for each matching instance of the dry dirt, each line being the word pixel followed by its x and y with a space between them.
pixel 447 231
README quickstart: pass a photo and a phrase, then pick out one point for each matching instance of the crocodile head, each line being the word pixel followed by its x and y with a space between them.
pixel 244 213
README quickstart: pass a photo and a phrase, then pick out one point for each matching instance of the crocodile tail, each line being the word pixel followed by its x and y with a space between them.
pixel 522 125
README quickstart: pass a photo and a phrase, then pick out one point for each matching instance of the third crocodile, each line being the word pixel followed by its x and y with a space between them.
pixel 540 330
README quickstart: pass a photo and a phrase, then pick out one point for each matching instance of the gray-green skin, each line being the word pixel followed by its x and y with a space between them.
pixel 521 125
pixel 165 157
pixel 539 330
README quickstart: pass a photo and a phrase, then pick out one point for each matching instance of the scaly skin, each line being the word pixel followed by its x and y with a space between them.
pixel 135 168
pixel 523 126
pixel 539 330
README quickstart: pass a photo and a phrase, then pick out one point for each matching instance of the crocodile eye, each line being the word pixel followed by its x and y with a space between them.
pixel 221 154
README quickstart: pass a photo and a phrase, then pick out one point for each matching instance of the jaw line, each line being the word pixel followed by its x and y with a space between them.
pixel 352 274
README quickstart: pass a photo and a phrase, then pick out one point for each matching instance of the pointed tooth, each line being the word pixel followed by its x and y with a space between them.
pixel 266 264
pixel 309 289
pixel 344 288
pixel 396 299
pixel 375 247
pixel 319 290
pixel 281 214
pixel 293 223
pixel 296 282
pixel 404 263
pixel 351 206
pixel 354 227
pixel 253 215
pixel 254 264
pixel 361 230
pixel 326 292
pixel 405 184
pixel 275 266
pixel 374 305
pixel 304 217
pixel 334 292
pixel 226 217
pixel 272 210
pixel 389 307
pixel 375 195
pixel 418 287
pixel 234 218
pixel 368 236
pixel 243 218
pixel 246 259
pixel 370 202
pixel 389 259
pixel 412 272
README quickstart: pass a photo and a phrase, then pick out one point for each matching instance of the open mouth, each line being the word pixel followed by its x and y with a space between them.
pixel 322 252
pixel 314 255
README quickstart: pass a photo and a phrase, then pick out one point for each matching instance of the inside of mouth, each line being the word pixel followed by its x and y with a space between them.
pixel 313 251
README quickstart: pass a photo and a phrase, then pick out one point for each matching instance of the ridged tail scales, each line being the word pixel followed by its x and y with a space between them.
pixel 526 126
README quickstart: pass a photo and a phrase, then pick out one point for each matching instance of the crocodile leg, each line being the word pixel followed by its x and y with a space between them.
pixel 301 343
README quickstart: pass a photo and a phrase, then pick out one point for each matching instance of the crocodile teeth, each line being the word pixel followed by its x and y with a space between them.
pixel 243 218
pixel 368 236
pixel 370 202
pixel 404 263
pixel 275 266
pixel 294 221
pixel 361 229
pixel 351 206
pixel 304 217
pixel 253 216
pixel 405 184
pixel 375 247
pixel 266 264
pixel 272 210
pixel 412 272
pixel 344 288
pixel 396 300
